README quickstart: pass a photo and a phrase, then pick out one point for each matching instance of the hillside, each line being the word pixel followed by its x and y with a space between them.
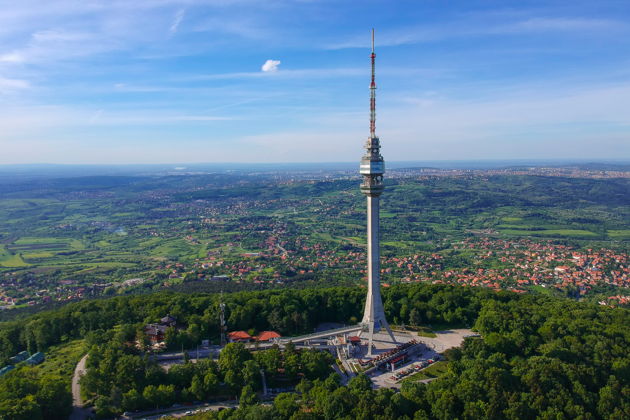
pixel 539 356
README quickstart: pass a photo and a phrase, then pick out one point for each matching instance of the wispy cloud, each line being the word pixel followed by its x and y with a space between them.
pixel 539 123
pixel 95 116
pixel 463 28
pixel 57 45
pixel 287 73
pixel 13 57
pixel 27 118
pixel 177 20
pixel 237 26
pixel 200 118
pixel 543 24
pixel 7 84
pixel 31 32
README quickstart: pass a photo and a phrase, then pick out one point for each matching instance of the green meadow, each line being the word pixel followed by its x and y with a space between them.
pixel 573 233
pixel 436 370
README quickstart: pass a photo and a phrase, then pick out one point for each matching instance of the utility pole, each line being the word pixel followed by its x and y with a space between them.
pixel 222 320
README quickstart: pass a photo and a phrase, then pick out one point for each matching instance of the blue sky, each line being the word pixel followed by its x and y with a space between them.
pixel 183 81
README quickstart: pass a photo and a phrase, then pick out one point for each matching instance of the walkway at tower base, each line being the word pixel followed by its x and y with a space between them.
pixel 328 334
pixel 321 334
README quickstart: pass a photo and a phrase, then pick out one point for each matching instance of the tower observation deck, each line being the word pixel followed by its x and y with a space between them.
pixel 372 169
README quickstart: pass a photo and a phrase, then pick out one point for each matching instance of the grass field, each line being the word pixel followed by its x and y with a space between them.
pixel 47 244
pixel 10 260
pixel 13 261
pixel 549 232
pixel 421 331
pixel 519 227
pixel 445 327
pixel 619 234
pixel 542 290
pixel 176 248
pixel 104 265
pixel 44 254
pixel 399 244
pixel 434 371
pixel 27 251
pixel 62 359
pixel 45 240
pixel 426 332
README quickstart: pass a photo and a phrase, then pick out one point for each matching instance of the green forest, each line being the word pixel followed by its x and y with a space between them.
pixel 539 356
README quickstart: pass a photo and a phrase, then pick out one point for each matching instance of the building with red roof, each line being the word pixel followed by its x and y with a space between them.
pixel 267 336
pixel 239 337
pixel 355 340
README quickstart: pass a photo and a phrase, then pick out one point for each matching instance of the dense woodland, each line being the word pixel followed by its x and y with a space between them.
pixel 290 312
pixel 25 395
pixel 120 380
pixel 540 356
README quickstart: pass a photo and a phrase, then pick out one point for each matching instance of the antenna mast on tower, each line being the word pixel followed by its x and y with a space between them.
pixel 373 92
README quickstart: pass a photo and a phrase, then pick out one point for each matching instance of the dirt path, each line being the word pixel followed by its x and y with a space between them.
pixel 78 411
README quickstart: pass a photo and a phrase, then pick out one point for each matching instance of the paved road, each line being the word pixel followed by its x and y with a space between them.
pixel 78 411
pixel 181 411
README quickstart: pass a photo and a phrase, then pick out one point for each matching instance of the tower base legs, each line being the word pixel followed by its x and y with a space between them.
pixel 370 332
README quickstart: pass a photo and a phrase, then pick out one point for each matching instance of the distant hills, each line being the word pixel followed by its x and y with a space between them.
pixel 13 172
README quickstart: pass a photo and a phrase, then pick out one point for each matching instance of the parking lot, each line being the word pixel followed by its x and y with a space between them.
pixel 432 347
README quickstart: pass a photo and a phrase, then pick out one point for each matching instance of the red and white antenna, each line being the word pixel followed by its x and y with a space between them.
pixel 373 93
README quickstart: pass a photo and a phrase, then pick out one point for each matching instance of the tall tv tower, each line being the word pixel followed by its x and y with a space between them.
pixel 372 168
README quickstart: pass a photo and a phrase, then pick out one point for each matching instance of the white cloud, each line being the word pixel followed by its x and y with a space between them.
pixel 13 57
pixel 270 65
pixel 7 84
pixel 179 16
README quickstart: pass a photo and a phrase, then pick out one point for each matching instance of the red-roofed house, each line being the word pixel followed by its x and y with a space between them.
pixel 267 336
pixel 239 337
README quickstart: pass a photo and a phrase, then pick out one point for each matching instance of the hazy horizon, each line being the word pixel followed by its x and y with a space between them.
pixel 45 170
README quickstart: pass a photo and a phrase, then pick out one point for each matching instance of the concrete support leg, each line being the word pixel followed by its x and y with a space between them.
pixel 370 338
pixel 389 331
